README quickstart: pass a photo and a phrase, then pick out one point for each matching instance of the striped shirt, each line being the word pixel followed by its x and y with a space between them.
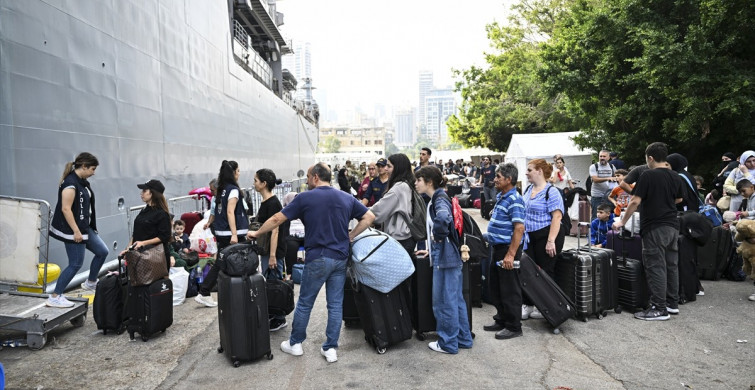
pixel 538 211
pixel 508 210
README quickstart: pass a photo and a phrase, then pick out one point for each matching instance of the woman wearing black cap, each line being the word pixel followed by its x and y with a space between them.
pixel 152 225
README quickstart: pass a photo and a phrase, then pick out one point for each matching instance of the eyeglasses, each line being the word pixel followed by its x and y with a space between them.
pixel 371 169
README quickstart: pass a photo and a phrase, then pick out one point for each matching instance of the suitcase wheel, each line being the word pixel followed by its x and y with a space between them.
pixel 131 336
pixel 584 319
pixel 220 349
pixel 421 336
pixel 104 331
pixel 473 335
pixel 78 322
pixel 617 310
pixel 601 315
pixel 269 356
pixel 380 351
pixel 556 331
pixel 145 338
pixel 236 363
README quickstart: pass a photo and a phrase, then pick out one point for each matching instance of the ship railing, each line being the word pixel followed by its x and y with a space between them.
pixel 248 58
pixel 280 191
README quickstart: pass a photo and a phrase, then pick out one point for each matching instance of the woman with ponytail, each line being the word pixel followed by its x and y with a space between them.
pixel 74 223
pixel 231 222
pixel 274 257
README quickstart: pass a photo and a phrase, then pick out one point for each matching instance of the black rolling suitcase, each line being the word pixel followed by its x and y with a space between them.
pixel 487 208
pixel 350 312
pixel 713 257
pixel 109 303
pixel 385 317
pixel 149 308
pixel 465 201
pixel 688 280
pixel 547 296
pixel 475 282
pixel 588 277
pixel 243 317
pixel 633 292
pixel 423 318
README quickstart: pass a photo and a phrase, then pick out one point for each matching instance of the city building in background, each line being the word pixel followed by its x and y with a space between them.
pixel 425 86
pixel 440 104
pixel 405 120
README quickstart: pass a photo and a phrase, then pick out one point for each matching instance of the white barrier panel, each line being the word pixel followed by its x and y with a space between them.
pixel 20 224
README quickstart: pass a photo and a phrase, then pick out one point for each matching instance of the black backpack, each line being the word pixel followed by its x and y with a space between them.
pixel 417 221
pixel 239 259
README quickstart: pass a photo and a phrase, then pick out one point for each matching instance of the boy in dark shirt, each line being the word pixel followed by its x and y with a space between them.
pixel 181 242
pixel 657 192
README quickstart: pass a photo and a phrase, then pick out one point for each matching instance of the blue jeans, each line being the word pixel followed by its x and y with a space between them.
pixel 76 252
pixel 332 273
pixel 265 261
pixel 450 310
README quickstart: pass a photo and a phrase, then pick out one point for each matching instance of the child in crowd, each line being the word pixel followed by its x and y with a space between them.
pixel 618 196
pixel 181 241
pixel 600 226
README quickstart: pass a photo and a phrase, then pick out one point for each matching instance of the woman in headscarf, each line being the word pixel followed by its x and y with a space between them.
pixel 746 170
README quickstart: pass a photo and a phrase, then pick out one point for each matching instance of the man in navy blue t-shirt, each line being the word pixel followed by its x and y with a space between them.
pixel 325 212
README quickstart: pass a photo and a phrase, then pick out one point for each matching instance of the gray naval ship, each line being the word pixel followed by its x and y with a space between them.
pixel 163 89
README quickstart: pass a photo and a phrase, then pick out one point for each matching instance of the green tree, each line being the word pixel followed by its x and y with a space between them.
pixel 507 97
pixel 330 144
pixel 391 149
pixel 679 71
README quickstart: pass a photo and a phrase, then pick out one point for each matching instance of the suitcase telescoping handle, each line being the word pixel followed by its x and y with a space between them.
pixel 579 245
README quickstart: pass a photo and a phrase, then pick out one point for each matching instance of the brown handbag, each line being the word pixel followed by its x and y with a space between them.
pixel 146 265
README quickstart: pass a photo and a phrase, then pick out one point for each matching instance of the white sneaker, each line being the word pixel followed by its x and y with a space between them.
pixel 205 300
pixel 435 347
pixel 535 313
pixel 526 310
pixel 59 301
pixel 330 355
pixel 293 349
pixel 89 287
pixel 752 297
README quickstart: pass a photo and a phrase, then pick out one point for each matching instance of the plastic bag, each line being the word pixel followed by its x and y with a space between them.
pixel 633 224
pixel 202 240
pixel 180 279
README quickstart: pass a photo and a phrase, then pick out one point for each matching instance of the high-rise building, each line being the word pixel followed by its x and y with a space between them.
pixel 440 104
pixel 300 65
pixel 425 86
pixel 404 127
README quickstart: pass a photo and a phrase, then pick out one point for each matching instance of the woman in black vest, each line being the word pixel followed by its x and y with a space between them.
pixel 152 225
pixel 231 222
pixel 74 223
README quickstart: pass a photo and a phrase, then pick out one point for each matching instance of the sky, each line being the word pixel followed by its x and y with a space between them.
pixel 370 52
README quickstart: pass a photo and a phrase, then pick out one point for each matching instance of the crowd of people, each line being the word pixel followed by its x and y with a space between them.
pixel 531 220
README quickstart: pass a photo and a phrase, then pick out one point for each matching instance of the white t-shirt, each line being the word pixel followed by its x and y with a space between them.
pixel 565 179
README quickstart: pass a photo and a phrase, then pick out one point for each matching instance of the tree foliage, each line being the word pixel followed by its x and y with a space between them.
pixel 507 97
pixel 678 71
pixel 623 72
pixel 330 144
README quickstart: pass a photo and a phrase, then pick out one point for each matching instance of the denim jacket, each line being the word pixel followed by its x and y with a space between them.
pixel 444 246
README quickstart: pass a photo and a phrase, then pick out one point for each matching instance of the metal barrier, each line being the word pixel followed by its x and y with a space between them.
pixel 44 218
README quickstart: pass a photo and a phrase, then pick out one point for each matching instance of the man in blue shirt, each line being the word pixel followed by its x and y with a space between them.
pixel 505 232
pixel 325 212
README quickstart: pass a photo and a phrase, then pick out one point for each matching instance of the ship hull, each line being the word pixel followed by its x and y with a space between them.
pixel 149 87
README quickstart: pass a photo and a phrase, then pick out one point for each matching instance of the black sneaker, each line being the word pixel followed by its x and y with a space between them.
pixel 653 314
pixel 276 324
pixel 494 327
pixel 507 334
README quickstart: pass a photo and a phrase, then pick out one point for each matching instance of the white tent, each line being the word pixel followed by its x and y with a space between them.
pixel 526 147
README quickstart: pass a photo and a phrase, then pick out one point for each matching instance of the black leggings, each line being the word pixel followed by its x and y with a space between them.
pixel 212 276
pixel 292 251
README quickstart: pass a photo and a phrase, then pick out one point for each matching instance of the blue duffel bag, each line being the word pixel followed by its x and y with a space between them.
pixel 379 261
pixel 297 272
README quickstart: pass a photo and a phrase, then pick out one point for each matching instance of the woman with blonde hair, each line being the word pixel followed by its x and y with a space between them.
pixel 75 223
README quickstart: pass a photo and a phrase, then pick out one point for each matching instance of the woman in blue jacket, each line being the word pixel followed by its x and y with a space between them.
pixel 448 302
pixel 75 223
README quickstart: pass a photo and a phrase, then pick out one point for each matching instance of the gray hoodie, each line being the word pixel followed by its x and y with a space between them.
pixel 391 208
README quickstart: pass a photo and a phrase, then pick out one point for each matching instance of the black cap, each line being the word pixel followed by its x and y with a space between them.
pixel 382 162
pixel 153 185
pixel 730 155
pixel 613 154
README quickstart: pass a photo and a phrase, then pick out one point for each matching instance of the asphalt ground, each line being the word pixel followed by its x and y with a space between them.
pixel 702 348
